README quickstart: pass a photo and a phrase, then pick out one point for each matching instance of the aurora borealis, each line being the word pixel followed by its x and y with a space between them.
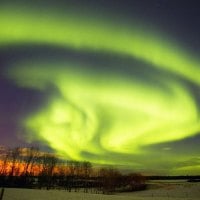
pixel 105 88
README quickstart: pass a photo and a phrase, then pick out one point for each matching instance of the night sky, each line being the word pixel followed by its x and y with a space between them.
pixel 113 82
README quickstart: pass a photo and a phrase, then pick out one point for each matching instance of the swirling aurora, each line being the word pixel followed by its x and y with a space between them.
pixel 99 113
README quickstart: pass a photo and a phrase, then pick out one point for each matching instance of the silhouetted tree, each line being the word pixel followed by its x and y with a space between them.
pixel 4 164
pixel 48 165
pixel 86 169
pixel 86 172
pixel 110 179
pixel 30 157
pixel 14 157
pixel 135 181
pixel 18 165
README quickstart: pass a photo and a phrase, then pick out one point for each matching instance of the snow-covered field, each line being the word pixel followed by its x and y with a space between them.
pixel 156 191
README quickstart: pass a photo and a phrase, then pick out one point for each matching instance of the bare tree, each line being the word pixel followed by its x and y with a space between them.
pixel 110 179
pixel 86 169
pixel 14 157
pixel 49 163
pixel 86 172
pixel 4 164
pixel 72 167
pixel 135 181
pixel 30 157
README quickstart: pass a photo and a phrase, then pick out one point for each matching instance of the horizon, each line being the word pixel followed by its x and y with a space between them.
pixel 4 150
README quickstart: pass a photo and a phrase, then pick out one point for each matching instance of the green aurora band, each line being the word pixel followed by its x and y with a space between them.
pixel 99 113
pixel 25 26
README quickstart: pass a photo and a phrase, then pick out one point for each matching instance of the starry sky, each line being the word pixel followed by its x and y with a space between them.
pixel 112 82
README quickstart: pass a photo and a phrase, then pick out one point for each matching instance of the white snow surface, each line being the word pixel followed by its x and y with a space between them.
pixel 156 191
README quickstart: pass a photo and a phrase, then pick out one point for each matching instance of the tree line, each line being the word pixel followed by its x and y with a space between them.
pixel 31 168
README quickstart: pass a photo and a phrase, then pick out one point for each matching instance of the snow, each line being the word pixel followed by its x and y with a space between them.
pixel 156 191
